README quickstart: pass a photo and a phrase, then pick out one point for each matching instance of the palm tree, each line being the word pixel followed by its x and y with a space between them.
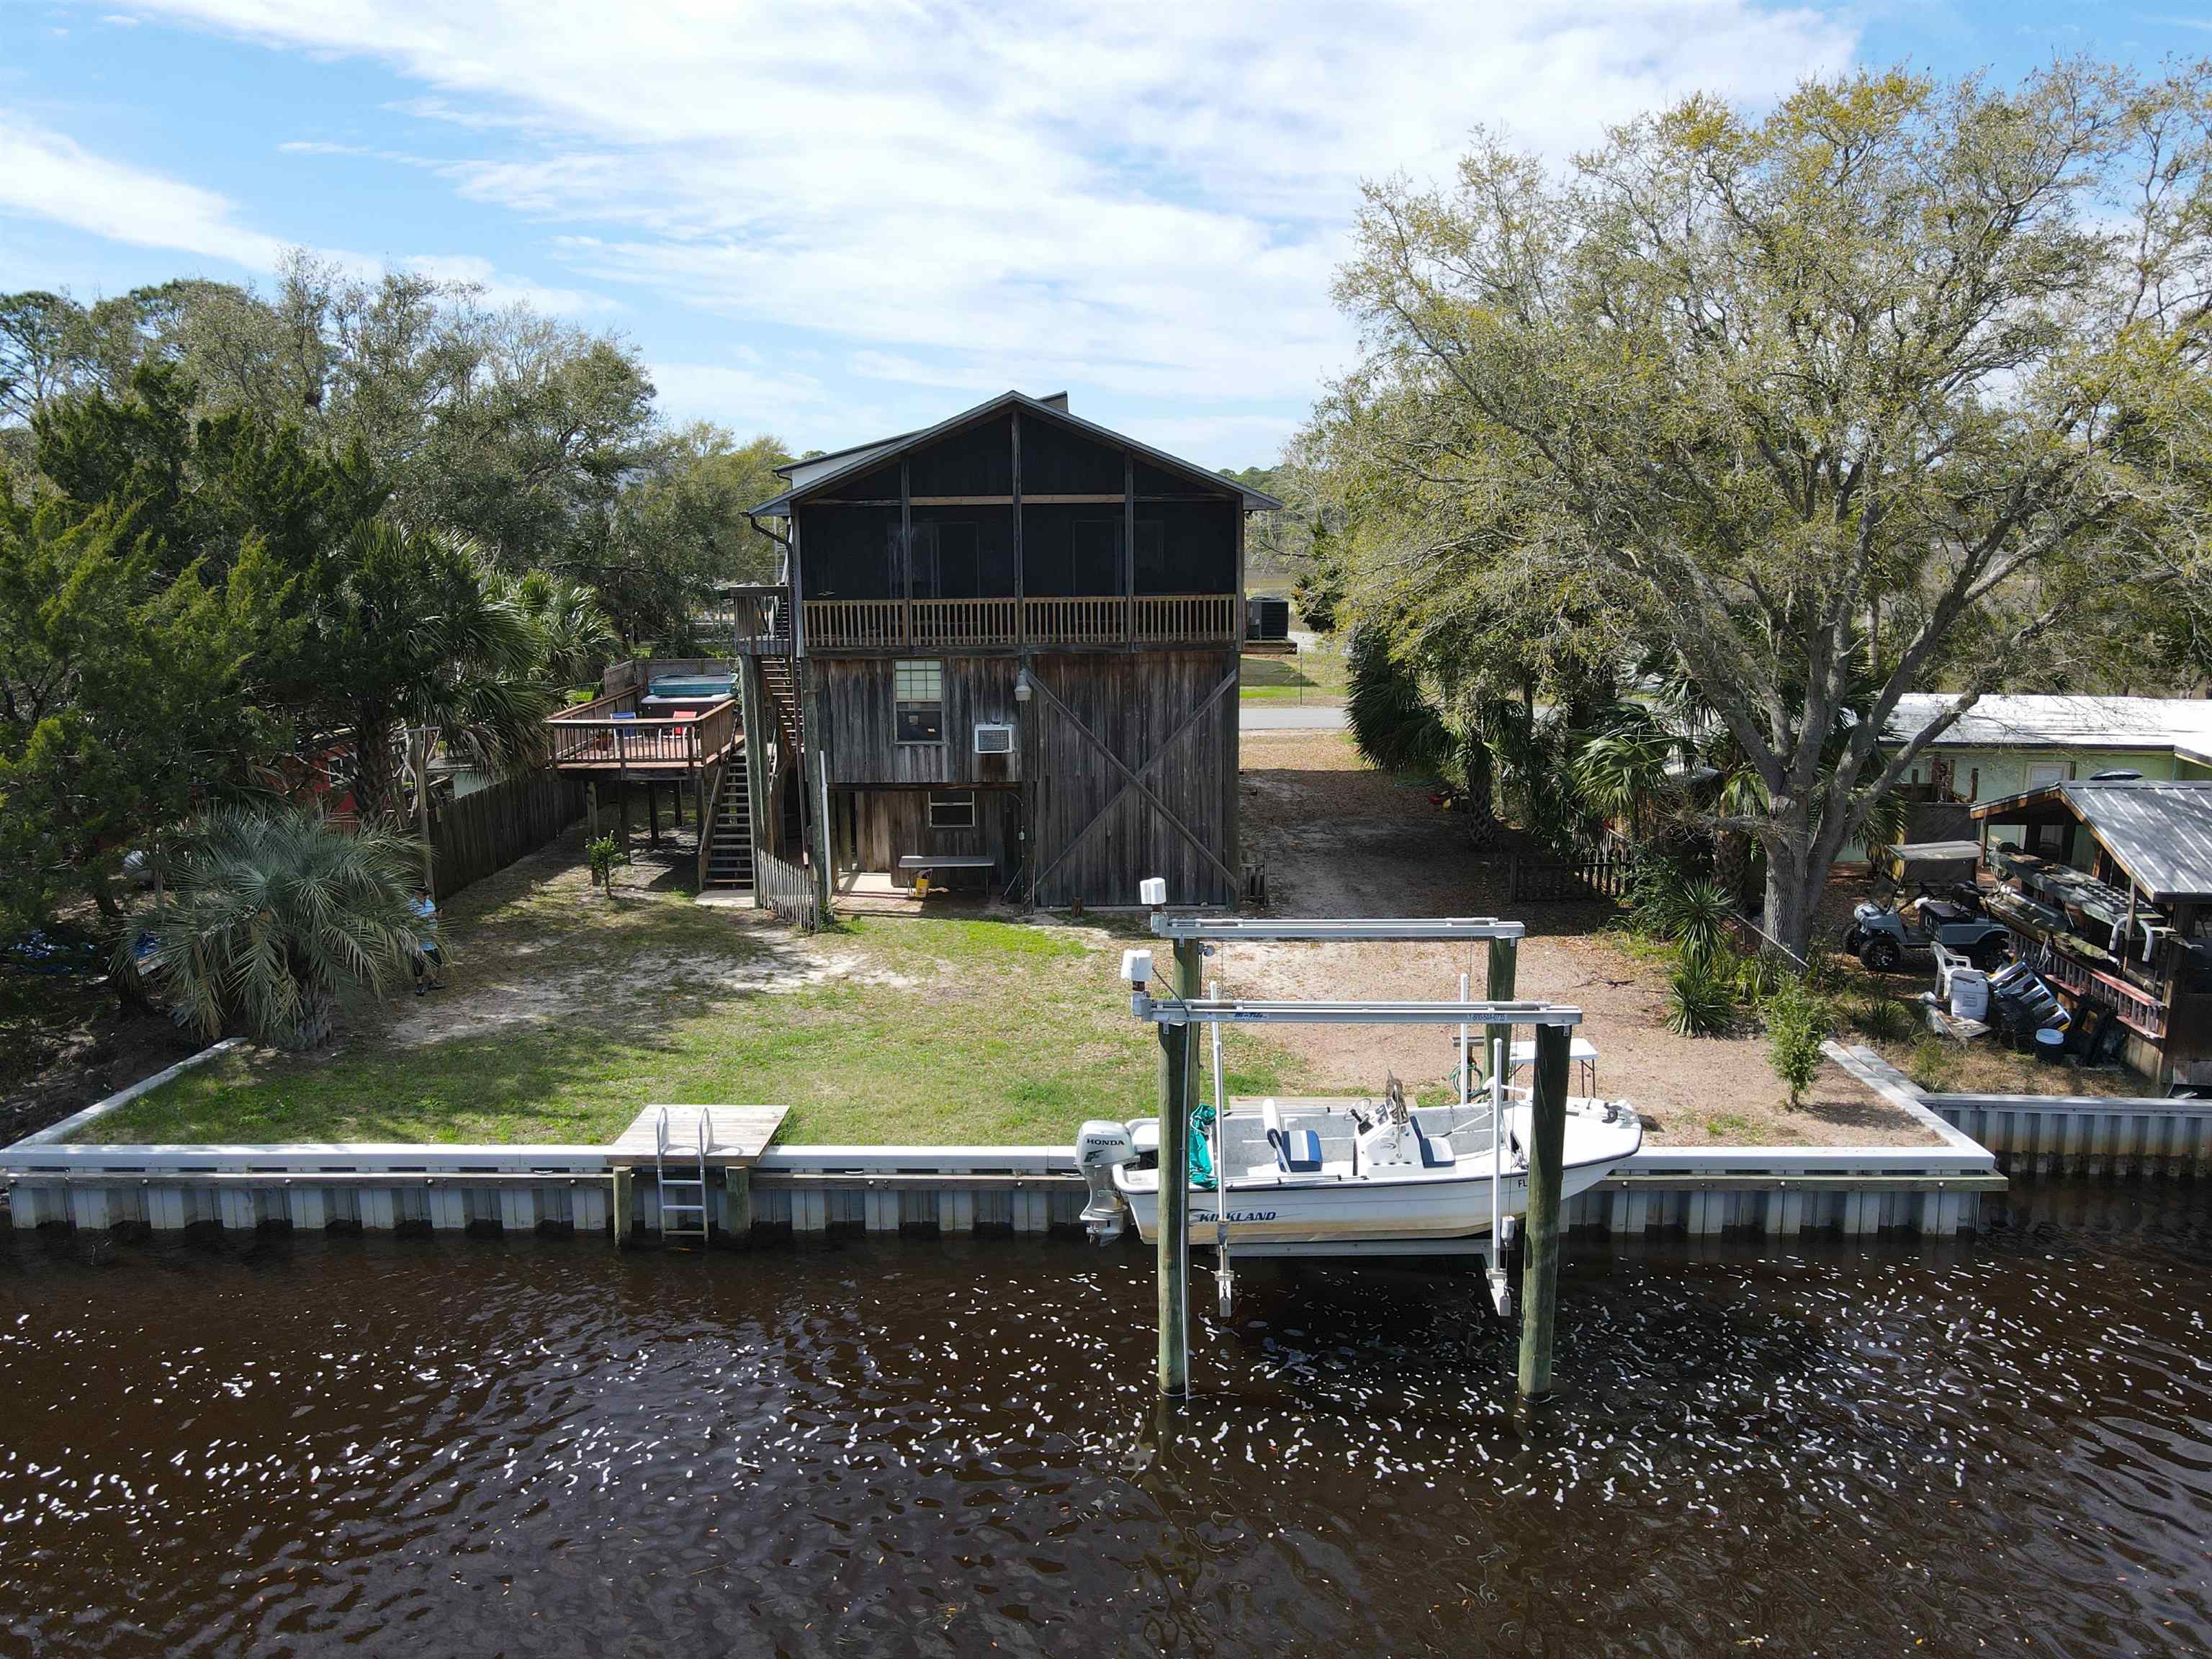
pixel 424 648
pixel 267 912
pixel 575 638
pixel 1623 773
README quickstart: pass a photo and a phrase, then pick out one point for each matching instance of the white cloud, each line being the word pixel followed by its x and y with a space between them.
pixel 500 289
pixel 1147 200
pixel 45 175
pixel 742 398
pixel 48 176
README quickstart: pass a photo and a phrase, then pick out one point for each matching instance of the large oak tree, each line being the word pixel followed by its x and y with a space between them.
pixel 1899 387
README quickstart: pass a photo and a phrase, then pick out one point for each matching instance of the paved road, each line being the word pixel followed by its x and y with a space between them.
pixel 1289 717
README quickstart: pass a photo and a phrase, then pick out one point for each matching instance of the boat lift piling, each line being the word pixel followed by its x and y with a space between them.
pixel 1497 1014
pixel 1498 1063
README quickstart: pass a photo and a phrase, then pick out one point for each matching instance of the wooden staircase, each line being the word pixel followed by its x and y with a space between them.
pixel 730 833
pixel 783 698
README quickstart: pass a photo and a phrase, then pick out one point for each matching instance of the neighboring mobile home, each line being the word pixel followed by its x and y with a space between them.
pixel 1011 638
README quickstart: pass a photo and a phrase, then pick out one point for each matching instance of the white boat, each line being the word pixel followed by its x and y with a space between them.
pixel 1307 1176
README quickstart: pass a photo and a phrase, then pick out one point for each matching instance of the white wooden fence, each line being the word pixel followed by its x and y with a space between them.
pixel 787 890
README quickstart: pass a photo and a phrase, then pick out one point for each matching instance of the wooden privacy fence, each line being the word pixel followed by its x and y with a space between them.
pixel 787 890
pixel 480 834
pixel 1599 873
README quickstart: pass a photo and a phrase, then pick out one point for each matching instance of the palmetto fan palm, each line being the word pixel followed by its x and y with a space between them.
pixel 423 639
pixel 268 912
pixel 574 639
pixel 1621 772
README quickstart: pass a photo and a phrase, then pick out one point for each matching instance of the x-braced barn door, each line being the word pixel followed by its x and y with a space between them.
pixel 1134 767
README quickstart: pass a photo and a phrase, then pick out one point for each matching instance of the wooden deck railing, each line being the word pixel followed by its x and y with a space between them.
pixel 967 621
pixel 861 624
pixel 1163 618
pixel 1075 622
pixel 590 736
pixel 761 620
pixel 942 624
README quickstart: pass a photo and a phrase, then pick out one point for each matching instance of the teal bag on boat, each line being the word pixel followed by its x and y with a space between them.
pixel 1201 1154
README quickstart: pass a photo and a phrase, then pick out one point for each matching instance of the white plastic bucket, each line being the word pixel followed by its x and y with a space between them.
pixel 1970 993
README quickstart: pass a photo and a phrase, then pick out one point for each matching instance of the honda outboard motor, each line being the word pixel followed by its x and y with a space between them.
pixel 1100 1145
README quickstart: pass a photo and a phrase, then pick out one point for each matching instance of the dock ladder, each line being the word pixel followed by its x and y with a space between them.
pixel 683 1198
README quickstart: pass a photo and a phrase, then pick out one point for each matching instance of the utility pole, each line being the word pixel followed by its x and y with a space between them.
pixel 1539 1249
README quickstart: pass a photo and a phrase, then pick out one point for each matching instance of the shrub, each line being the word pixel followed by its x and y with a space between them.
pixel 1758 978
pixel 1932 1063
pixel 1701 919
pixel 604 854
pixel 269 912
pixel 1655 896
pixel 1797 1025
pixel 1885 1019
pixel 1700 997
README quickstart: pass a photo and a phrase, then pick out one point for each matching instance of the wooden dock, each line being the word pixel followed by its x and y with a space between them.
pixel 736 1135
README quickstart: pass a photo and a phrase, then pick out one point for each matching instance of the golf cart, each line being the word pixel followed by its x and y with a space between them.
pixel 1881 934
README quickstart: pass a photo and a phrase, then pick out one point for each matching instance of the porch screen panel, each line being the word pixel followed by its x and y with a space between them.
pixel 850 552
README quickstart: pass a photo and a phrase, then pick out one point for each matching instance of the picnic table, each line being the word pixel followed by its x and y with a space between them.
pixel 1580 1050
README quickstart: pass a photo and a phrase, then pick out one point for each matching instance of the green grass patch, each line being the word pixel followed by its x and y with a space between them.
pixel 1310 676
pixel 567 1013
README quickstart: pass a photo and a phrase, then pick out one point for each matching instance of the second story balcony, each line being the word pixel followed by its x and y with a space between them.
pixel 1144 621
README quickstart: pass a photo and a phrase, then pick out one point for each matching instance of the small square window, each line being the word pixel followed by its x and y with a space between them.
pixel 952 809
pixel 918 690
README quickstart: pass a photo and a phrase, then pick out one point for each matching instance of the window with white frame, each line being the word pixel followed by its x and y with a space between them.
pixel 952 809
pixel 918 689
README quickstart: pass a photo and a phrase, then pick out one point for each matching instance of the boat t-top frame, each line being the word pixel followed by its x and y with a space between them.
pixel 1176 923
pixel 1242 1011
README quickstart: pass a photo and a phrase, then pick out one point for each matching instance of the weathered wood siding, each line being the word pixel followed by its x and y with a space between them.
pixel 860 730
pixel 1139 707
pixel 877 828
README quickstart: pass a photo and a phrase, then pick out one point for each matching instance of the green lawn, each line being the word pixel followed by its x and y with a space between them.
pixel 1310 676
pixel 567 1013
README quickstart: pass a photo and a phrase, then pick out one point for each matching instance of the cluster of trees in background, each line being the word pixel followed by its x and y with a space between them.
pixel 1664 478
pixel 239 528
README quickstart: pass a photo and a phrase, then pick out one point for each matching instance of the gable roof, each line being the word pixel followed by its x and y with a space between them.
pixel 2159 833
pixel 809 476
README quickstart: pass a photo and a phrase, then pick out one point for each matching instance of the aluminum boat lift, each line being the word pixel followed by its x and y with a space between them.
pixel 1191 935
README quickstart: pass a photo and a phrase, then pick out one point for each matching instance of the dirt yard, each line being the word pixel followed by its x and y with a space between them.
pixel 1341 839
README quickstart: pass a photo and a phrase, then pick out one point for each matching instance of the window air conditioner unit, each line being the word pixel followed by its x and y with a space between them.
pixel 994 739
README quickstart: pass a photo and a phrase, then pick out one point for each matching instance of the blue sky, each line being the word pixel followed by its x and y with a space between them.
pixel 829 221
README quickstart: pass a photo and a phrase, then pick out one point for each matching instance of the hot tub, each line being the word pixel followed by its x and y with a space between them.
pixel 698 689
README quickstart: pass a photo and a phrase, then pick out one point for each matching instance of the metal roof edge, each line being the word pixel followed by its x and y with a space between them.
pixel 884 449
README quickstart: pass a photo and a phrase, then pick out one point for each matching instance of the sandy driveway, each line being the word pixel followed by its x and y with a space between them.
pixel 1341 839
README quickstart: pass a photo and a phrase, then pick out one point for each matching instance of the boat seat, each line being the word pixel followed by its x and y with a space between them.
pixel 1435 1152
pixel 1298 1151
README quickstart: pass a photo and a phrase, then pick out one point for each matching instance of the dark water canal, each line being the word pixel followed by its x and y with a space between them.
pixel 547 1447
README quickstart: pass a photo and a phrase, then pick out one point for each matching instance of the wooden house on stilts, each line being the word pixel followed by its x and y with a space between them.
pixel 1010 638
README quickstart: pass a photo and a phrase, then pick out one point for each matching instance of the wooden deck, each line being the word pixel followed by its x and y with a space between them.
pixel 736 1135
pixel 607 736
